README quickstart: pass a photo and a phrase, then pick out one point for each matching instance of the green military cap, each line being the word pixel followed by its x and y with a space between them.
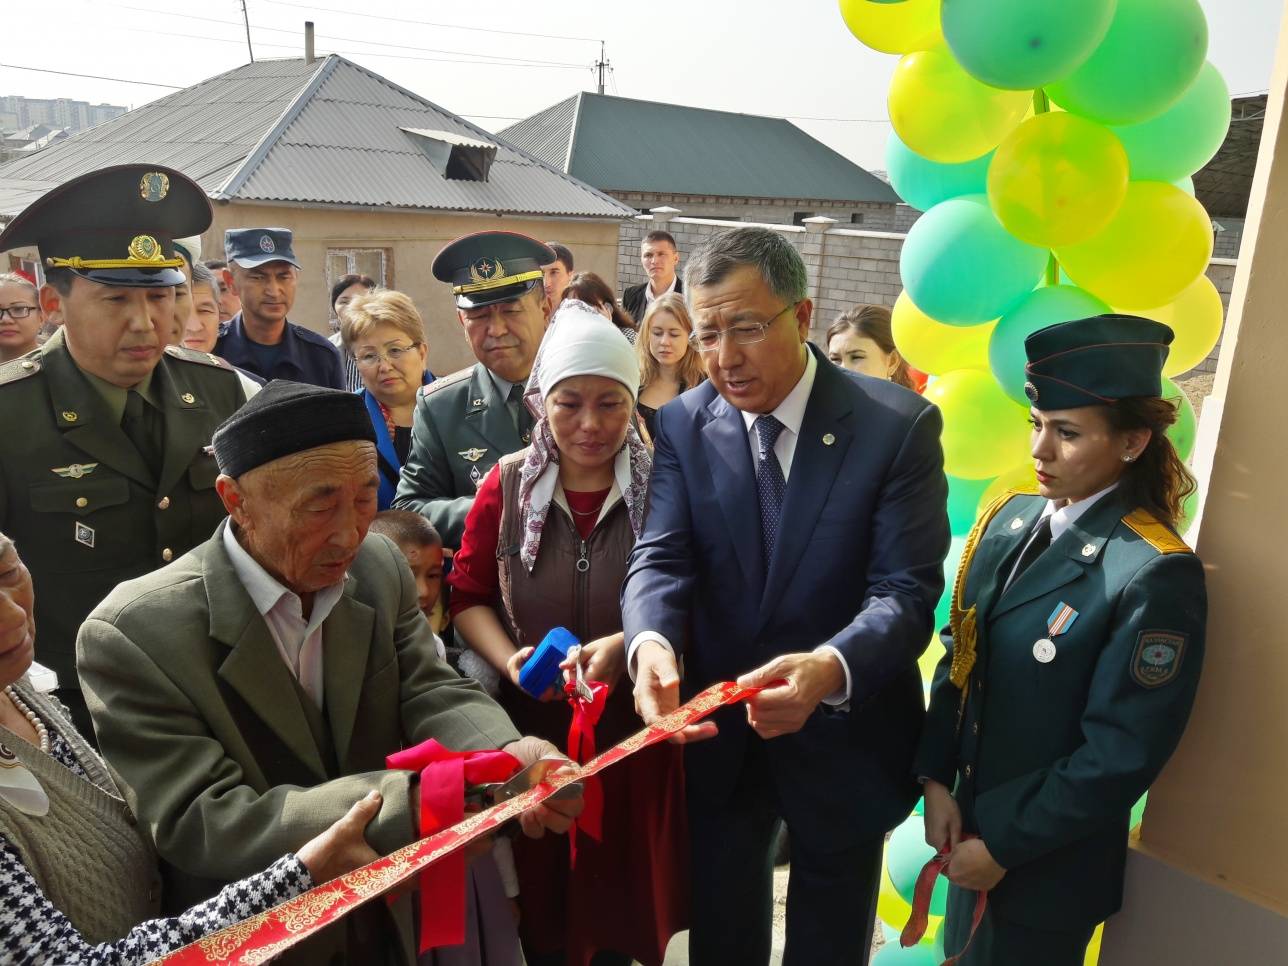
pixel 115 226
pixel 491 266
pixel 1097 360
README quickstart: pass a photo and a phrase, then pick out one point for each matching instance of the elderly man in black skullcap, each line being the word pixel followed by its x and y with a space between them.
pixel 251 690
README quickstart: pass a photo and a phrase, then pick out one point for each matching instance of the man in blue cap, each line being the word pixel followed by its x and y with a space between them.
pixel 105 466
pixel 465 422
pixel 260 338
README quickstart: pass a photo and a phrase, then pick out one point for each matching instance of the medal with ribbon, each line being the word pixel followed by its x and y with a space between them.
pixel 1058 623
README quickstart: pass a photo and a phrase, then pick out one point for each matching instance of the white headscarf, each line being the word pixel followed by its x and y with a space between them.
pixel 579 342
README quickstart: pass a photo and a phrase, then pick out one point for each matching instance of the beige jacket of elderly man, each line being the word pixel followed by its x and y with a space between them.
pixel 228 762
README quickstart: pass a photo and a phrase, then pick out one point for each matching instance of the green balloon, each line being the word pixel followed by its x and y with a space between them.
pixel 1148 59
pixel 1022 44
pixel 955 549
pixel 923 183
pixel 963 503
pixel 906 853
pixel 922 954
pixel 1186 185
pixel 1183 138
pixel 1181 432
pixel 1045 306
pixel 1138 811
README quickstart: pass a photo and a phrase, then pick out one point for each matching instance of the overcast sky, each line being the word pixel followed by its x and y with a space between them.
pixel 786 59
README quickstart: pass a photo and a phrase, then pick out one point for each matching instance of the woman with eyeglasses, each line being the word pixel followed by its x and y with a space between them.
pixel 20 316
pixel 386 337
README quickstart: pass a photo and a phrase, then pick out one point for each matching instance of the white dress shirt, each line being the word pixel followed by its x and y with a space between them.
pixel 1062 518
pixel 650 298
pixel 298 641
pixel 791 413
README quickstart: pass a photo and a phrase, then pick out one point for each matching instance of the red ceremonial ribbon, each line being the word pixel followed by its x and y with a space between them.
pixel 916 927
pixel 581 749
pixel 258 939
pixel 443 776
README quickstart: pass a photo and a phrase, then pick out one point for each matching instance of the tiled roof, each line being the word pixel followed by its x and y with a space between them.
pixel 330 132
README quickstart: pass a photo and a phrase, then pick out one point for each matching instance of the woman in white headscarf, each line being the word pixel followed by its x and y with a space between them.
pixel 545 545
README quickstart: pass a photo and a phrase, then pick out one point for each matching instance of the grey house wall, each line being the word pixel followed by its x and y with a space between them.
pixel 875 215
pixel 846 266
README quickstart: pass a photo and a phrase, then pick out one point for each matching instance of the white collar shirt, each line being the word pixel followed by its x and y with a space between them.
pixel 1062 518
pixel 791 413
pixel 650 298
pixel 299 642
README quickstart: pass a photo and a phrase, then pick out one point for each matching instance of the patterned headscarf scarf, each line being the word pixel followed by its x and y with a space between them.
pixel 579 342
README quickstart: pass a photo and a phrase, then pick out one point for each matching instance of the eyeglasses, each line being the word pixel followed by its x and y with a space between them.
pixel 394 354
pixel 744 333
pixel 16 312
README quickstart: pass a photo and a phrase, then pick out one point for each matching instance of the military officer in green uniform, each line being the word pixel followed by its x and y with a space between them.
pixel 467 421
pixel 1074 651
pixel 106 470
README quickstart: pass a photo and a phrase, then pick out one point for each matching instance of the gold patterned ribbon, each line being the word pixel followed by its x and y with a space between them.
pixel 259 938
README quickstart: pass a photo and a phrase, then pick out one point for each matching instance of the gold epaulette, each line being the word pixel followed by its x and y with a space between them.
pixel 192 355
pixel 445 381
pixel 1155 532
pixel 962 623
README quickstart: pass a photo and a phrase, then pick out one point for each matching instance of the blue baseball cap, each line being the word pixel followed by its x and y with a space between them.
pixel 251 247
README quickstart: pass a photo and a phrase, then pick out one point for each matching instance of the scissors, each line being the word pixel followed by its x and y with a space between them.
pixel 493 793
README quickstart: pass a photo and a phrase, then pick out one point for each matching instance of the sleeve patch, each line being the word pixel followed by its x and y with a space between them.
pixel 1157 658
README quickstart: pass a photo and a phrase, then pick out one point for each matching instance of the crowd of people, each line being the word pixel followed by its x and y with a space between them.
pixel 260 562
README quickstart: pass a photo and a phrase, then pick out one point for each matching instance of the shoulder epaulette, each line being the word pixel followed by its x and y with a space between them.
pixel 20 368
pixel 1155 532
pixel 201 358
pixel 445 382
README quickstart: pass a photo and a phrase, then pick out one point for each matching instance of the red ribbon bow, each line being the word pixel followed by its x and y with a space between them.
pixel 443 776
pixel 581 749
pixel 917 922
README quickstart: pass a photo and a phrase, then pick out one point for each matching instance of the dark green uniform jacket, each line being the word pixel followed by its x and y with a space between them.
pixel 461 428
pixel 79 500
pixel 1048 758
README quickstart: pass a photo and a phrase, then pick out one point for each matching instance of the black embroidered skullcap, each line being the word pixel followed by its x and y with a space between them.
pixel 1095 361
pixel 288 417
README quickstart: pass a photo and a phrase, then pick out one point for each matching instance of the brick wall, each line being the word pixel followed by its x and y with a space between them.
pixel 846 266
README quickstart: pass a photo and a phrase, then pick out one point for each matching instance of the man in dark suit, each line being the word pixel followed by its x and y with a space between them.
pixel 660 259
pixel 795 540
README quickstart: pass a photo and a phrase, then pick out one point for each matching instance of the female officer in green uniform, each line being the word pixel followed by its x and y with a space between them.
pixel 1074 652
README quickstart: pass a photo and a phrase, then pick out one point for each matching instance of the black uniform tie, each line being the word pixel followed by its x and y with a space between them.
pixel 519 413
pixel 142 424
pixel 1039 542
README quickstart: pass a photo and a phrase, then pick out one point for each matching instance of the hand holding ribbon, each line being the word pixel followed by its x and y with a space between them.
pixel 921 893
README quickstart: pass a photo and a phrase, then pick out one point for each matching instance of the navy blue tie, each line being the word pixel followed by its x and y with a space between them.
pixel 771 485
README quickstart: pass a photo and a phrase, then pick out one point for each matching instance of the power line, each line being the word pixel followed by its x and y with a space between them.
pixel 427 23
pixel 358 40
pixel 67 73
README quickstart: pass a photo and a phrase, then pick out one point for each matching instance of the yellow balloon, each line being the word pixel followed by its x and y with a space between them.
pixel 891 908
pixel 984 431
pixel 933 347
pixel 1093 947
pixel 1021 477
pixel 894 28
pixel 930 660
pixel 1157 244
pixel 1057 179
pixel 1196 316
pixel 944 114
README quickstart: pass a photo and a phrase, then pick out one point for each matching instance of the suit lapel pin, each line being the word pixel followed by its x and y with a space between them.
pixel 1089 550
pixel 69 416
pixel 473 454
pixel 1017 523
pixel 828 439
pixel 75 471
pixel 85 535
pixel 476 402
pixel 189 398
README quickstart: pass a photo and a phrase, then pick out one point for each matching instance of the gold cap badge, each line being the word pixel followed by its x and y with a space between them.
pixel 154 186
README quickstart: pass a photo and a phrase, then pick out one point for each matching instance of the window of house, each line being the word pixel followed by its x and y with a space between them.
pixel 27 266
pixel 856 218
pixel 798 218
pixel 374 262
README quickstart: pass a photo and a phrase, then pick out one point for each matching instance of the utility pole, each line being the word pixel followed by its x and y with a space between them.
pixel 246 20
pixel 600 65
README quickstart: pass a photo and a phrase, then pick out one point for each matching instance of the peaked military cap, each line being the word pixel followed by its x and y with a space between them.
pixel 251 247
pixel 1097 360
pixel 491 266
pixel 115 226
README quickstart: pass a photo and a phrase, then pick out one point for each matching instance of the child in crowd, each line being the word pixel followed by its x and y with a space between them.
pixel 492 910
